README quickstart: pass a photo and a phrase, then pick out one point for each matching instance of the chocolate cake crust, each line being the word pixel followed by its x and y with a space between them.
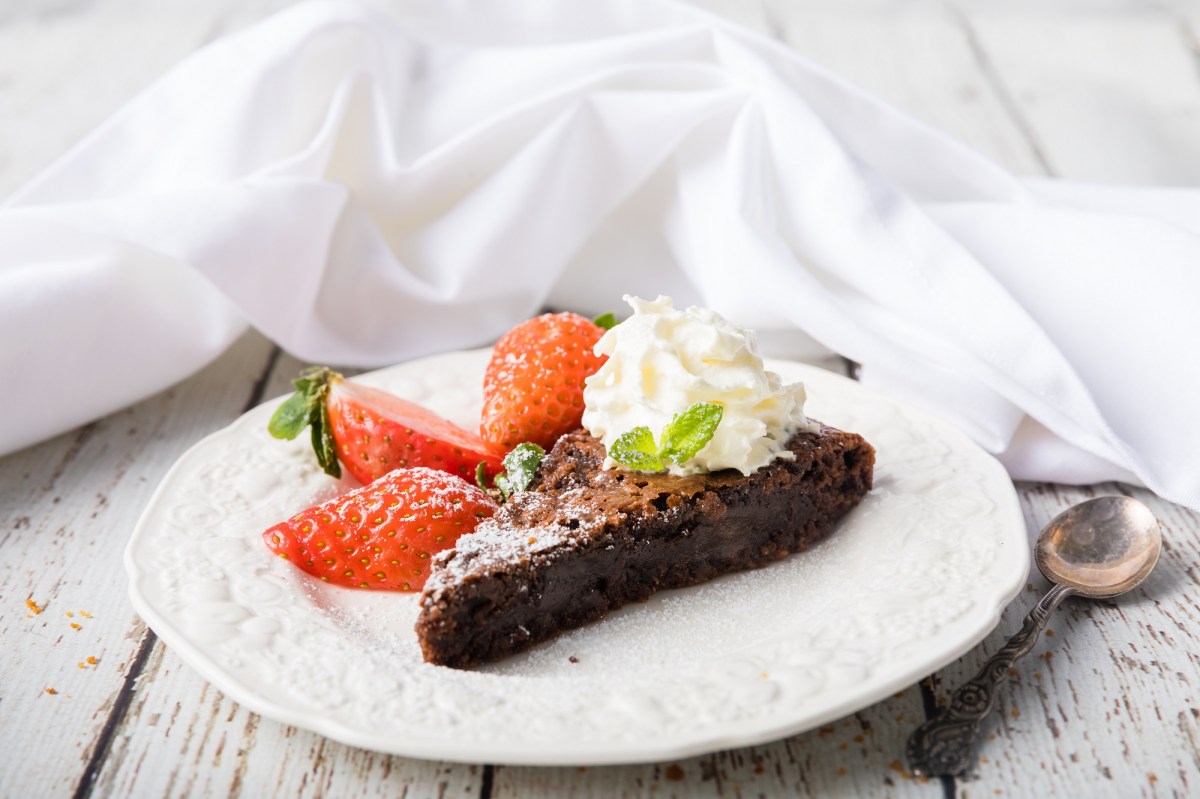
pixel 584 541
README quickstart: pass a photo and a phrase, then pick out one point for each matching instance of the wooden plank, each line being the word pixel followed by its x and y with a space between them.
pixel 182 737
pixel 66 509
pixel 1110 97
pixel 51 91
pixel 920 62
pixel 64 71
pixel 856 756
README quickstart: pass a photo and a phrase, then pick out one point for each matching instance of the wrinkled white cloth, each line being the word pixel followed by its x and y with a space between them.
pixel 366 188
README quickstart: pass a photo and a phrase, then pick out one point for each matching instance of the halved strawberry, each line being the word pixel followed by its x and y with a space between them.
pixel 533 386
pixel 382 535
pixel 372 432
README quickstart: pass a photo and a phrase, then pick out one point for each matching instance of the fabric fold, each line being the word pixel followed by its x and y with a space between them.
pixel 366 189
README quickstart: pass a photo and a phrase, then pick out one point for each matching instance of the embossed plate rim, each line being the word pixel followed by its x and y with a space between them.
pixel 599 745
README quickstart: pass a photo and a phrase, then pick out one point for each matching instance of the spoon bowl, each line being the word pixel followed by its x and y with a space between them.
pixel 1101 548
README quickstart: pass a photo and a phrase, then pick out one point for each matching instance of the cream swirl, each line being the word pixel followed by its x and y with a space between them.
pixel 661 361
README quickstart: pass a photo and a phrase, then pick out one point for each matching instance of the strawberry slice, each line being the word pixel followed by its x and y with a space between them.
pixel 372 432
pixel 382 535
pixel 375 432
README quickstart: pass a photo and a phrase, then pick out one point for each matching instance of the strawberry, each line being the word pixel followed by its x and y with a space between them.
pixel 372 432
pixel 533 386
pixel 382 535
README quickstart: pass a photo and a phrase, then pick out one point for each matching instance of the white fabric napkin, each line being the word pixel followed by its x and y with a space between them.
pixel 366 189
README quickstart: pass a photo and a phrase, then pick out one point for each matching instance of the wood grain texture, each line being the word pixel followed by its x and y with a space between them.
pixel 50 93
pixel 855 756
pixel 921 63
pixel 1104 707
pixel 1107 96
pixel 67 508
pixel 182 737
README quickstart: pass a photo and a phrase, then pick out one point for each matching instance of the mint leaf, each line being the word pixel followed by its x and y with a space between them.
pixel 690 431
pixel 686 434
pixel 520 466
pixel 637 450
pixel 606 320
pixel 504 488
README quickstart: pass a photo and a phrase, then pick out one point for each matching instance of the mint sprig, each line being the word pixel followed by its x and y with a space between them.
pixel 308 407
pixel 606 320
pixel 683 437
pixel 520 467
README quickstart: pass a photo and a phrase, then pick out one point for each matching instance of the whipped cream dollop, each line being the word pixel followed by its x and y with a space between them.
pixel 661 361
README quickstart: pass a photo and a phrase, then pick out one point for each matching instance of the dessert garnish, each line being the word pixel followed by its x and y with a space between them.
pixel 372 432
pixel 683 437
pixel 660 360
pixel 533 386
pixel 520 467
pixel 606 320
pixel 736 480
pixel 566 525
pixel 382 535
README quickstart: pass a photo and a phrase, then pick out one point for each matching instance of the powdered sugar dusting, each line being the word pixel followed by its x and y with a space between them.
pixel 442 491
pixel 499 541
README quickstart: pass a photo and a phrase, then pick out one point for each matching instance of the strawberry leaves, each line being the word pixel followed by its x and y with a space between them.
pixel 308 408
pixel 368 432
pixel 683 437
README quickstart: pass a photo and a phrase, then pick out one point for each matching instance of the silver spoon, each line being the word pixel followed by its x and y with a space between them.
pixel 1097 549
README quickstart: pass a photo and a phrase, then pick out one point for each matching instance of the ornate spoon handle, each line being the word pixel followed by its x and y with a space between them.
pixel 945 744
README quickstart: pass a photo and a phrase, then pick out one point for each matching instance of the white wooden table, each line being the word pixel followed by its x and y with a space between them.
pixel 91 703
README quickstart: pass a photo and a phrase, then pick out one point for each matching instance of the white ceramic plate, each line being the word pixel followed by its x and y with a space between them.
pixel 913 578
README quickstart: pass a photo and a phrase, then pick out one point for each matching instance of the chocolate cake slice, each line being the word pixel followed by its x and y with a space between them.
pixel 584 541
